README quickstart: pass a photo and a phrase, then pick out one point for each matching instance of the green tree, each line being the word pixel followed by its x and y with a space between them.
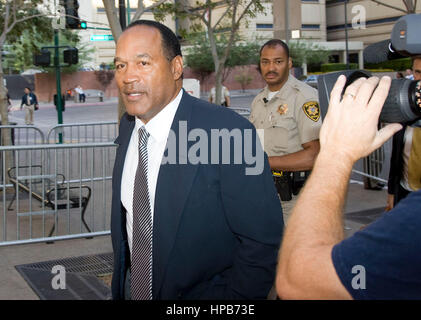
pixel 202 16
pixel 244 79
pixel 104 76
pixel 309 53
pixel 31 41
pixel 199 56
pixel 15 17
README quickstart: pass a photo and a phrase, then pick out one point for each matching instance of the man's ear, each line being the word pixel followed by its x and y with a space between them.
pixel 177 67
pixel 289 63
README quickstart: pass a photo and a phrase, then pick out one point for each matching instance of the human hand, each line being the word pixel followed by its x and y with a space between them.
pixel 390 200
pixel 349 130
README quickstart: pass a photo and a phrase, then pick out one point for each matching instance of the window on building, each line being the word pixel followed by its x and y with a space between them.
pixel 353 57
pixel 334 58
pixel 264 25
pixel 310 26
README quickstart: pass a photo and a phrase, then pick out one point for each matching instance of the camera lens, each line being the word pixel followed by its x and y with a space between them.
pixel 403 103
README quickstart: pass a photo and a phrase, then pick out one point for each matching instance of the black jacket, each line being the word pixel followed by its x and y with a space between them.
pixel 32 99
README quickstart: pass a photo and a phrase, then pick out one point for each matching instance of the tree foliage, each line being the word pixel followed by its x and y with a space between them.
pixel 32 40
pixel 104 76
pixel 199 57
pixel 15 17
pixel 213 17
pixel 310 53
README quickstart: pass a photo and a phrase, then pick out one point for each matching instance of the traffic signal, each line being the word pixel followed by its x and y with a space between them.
pixel 63 102
pixel 71 56
pixel 43 59
pixel 72 16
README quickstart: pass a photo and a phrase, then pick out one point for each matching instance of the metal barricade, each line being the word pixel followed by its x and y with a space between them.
pixel 21 135
pixel 83 132
pixel 373 170
pixel 56 192
pixel 241 111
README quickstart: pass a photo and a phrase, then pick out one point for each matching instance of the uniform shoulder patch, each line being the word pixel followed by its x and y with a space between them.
pixel 311 110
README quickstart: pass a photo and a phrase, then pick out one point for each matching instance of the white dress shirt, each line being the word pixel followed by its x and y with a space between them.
pixel 158 128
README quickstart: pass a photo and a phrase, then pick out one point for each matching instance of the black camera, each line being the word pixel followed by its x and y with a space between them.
pixel 403 103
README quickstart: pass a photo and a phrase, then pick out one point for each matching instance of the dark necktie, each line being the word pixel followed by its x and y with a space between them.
pixel 141 256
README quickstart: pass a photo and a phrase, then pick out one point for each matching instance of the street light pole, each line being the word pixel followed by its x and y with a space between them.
pixel 58 80
pixel 287 21
pixel 122 13
pixel 58 76
pixel 128 12
pixel 346 37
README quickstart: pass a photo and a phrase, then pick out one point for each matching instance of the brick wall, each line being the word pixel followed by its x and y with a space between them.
pixel 45 84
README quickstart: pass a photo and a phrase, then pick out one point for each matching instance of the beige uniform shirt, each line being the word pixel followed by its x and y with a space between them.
pixel 290 119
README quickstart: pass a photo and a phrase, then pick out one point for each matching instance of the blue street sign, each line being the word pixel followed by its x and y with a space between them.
pixel 102 37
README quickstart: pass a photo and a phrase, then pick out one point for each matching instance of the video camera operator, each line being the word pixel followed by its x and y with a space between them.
pixel 382 261
pixel 405 163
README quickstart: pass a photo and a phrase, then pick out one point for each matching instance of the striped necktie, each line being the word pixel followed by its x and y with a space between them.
pixel 141 256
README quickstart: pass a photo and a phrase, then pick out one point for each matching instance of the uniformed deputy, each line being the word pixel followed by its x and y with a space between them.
pixel 288 111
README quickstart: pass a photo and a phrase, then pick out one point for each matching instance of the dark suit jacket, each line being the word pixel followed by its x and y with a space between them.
pixel 396 164
pixel 216 231
pixel 32 99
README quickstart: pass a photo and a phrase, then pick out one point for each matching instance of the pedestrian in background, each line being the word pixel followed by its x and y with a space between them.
pixel 225 101
pixel 29 100
pixel 82 96
pixel 409 75
pixel 9 102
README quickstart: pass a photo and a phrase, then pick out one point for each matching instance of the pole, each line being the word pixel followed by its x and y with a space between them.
pixel 122 12
pixel 128 12
pixel 287 21
pixel 346 38
pixel 58 83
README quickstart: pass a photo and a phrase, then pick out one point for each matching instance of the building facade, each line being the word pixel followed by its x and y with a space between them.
pixel 321 21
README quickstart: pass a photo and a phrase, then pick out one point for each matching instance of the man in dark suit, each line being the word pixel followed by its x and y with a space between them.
pixel 29 100
pixel 191 219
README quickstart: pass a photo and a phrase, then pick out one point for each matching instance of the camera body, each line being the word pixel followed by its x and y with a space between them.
pixel 403 103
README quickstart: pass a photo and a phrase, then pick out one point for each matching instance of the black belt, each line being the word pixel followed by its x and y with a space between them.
pixel 289 183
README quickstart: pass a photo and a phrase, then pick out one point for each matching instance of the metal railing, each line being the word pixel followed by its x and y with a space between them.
pixel 83 132
pixel 373 170
pixel 55 192
pixel 24 134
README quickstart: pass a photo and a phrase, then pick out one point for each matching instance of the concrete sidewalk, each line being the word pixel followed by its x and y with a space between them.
pixel 69 103
pixel 14 287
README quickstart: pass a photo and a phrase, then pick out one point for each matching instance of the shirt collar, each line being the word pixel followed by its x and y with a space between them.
pixel 289 83
pixel 159 126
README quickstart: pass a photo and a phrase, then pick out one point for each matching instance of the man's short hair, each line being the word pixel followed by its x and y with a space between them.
pixel 28 88
pixel 170 44
pixel 272 43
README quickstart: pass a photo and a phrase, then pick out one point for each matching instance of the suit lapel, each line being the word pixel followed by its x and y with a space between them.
pixel 123 141
pixel 172 190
